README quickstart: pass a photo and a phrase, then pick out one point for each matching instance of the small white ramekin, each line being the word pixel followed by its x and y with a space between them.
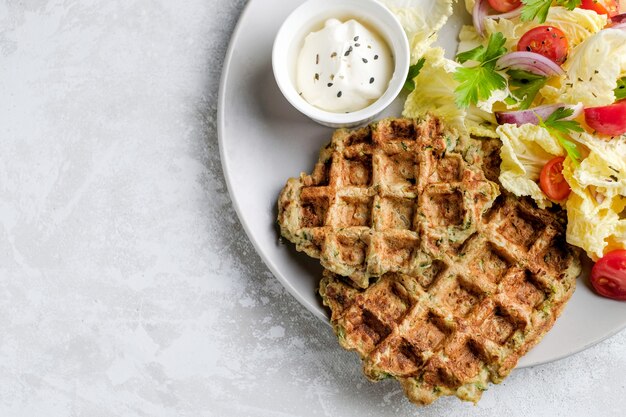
pixel 309 17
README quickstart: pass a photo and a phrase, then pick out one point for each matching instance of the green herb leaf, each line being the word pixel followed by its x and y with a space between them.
pixel 478 82
pixel 475 54
pixel 414 71
pixel 560 129
pixel 555 121
pixel 510 101
pixel 620 91
pixel 495 49
pixel 535 9
pixel 527 86
pixel 570 148
pixel 569 4
pixel 539 8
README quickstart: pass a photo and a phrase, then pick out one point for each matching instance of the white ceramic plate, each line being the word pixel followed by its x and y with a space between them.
pixel 263 141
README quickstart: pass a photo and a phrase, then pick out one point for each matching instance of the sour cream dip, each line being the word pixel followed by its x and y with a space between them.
pixel 344 67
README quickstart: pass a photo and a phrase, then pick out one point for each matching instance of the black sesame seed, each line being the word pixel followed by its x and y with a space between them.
pixel 375 57
pixel 330 84
pixel 356 38
pixel 356 45
pixel 365 60
pixel 317 59
pixel 348 51
pixel 372 80
pixel 339 94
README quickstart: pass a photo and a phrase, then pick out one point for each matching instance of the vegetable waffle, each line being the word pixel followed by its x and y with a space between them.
pixel 432 275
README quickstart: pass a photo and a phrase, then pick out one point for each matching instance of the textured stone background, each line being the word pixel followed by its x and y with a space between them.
pixel 127 286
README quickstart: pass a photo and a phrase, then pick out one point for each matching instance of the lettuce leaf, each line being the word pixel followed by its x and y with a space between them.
pixel 434 94
pixel 525 150
pixel 596 207
pixel 592 71
pixel 421 21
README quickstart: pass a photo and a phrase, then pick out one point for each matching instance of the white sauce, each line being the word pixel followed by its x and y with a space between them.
pixel 343 67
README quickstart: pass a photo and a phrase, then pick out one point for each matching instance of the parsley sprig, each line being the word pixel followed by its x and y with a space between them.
pixel 620 91
pixel 526 84
pixel 478 82
pixel 414 71
pixel 539 8
pixel 560 129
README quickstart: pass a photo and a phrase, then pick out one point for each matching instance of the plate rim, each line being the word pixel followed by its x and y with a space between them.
pixel 224 80
pixel 220 129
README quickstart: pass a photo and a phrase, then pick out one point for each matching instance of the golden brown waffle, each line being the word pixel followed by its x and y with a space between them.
pixel 467 317
pixel 387 198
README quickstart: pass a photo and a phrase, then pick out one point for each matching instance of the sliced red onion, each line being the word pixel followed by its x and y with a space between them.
pixel 481 12
pixel 619 18
pixel 531 62
pixel 531 116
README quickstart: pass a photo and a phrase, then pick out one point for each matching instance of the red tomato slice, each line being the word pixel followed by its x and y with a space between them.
pixel 608 120
pixel 504 6
pixel 551 180
pixel 608 275
pixel 608 7
pixel 548 41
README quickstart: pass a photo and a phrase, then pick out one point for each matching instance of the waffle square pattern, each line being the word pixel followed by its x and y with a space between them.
pixel 386 198
pixel 467 319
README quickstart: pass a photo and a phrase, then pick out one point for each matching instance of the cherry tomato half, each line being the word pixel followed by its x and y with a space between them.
pixel 551 180
pixel 548 41
pixel 504 6
pixel 608 7
pixel 608 120
pixel 608 275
